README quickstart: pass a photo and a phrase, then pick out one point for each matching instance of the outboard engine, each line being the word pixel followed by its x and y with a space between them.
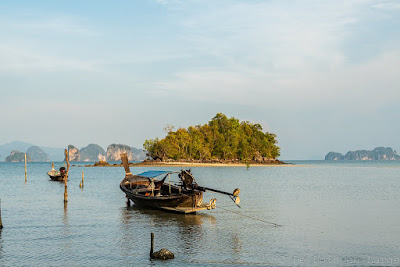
pixel 62 171
pixel 187 179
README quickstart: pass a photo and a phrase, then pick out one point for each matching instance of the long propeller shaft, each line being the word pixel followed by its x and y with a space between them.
pixel 234 196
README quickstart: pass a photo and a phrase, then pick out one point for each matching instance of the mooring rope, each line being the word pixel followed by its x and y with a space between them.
pixel 251 217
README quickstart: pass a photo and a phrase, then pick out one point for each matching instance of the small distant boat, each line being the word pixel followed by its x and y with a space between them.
pixel 154 189
pixel 56 175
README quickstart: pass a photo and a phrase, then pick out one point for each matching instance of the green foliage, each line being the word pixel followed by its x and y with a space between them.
pixel 221 138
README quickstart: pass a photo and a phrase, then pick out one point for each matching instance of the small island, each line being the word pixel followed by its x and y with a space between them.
pixel 379 153
pixel 17 156
pixel 222 141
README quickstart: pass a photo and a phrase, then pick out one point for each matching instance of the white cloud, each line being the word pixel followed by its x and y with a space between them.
pixel 57 24
pixel 37 42
pixel 14 59
pixel 372 84
pixel 43 23
pixel 387 5
pixel 169 2
pixel 292 54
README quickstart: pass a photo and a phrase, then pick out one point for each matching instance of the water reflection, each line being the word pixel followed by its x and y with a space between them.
pixel 66 230
pixel 1 241
pixel 65 216
pixel 185 231
pixel 1 246
pixel 160 218
pixel 236 247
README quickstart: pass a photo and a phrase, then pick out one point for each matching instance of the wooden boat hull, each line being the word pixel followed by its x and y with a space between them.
pixel 173 202
pixel 55 176
pixel 145 190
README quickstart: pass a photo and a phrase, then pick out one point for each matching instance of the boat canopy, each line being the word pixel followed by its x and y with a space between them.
pixel 152 174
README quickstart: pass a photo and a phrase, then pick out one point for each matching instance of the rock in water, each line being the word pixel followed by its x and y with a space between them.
pixel 17 156
pixel 163 254
pixel 93 152
pixel 139 154
pixel 114 152
pixel 379 153
pixel 74 153
pixel 37 154
pixel 334 156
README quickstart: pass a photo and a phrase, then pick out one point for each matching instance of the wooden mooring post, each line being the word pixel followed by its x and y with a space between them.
pixel 1 223
pixel 81 184
pixel 66 177
pixel 25 169
pixel 152 244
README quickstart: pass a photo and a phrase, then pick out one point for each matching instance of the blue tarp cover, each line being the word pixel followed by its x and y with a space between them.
pixel 152 174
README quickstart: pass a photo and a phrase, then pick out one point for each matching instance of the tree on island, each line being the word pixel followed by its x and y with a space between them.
pixel 221 139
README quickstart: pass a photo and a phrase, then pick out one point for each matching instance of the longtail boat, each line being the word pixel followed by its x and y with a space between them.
pixel 56 175
pixel 154 189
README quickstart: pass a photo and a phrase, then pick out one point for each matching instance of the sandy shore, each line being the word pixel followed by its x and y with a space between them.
pixel 197 164
pixel 194 164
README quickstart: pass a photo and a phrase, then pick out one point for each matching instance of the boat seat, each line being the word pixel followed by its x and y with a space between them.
pixel 145 190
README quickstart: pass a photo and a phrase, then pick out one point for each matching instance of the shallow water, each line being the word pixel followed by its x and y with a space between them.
pixel 332 213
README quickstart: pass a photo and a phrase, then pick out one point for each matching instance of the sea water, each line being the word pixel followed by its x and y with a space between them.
pixel 312 213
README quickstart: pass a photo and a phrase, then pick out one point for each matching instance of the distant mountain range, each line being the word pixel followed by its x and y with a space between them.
pixel 379 153
pixel 12 152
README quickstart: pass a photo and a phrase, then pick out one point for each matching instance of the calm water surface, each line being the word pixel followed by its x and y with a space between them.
pixel 332 214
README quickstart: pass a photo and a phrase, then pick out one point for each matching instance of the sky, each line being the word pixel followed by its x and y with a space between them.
pixel 322 75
